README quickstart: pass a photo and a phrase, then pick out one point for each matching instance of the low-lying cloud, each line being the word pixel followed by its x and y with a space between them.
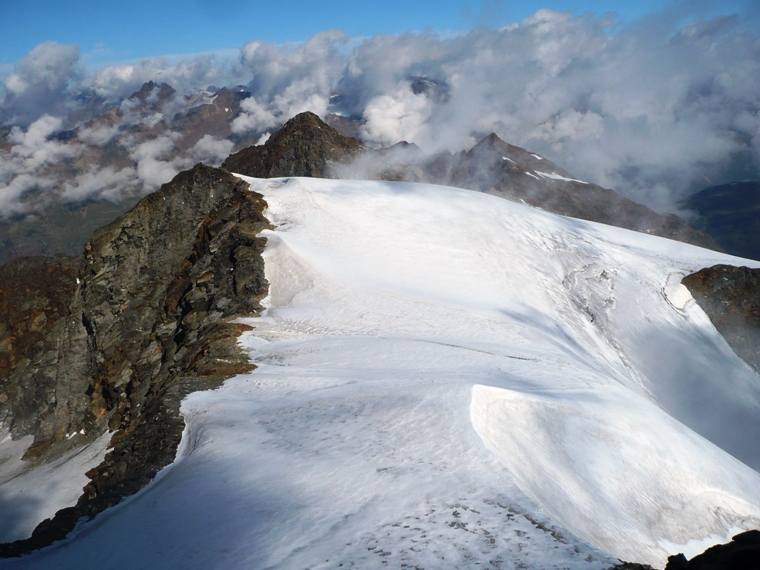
pixel 654 110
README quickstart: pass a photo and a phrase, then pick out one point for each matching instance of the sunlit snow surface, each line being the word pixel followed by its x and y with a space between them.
pixel 450 380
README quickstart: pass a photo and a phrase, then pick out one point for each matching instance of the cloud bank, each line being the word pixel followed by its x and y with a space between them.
pixel 654 110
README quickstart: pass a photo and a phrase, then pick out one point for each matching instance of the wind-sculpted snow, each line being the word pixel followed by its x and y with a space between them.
pixel 446 379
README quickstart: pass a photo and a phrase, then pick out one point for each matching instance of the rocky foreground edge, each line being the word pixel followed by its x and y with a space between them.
pixel 115 339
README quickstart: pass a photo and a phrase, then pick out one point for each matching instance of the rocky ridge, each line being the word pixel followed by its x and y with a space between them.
pixel 141 320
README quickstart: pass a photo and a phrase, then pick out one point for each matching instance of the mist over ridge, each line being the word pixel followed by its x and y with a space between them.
pixel 656 110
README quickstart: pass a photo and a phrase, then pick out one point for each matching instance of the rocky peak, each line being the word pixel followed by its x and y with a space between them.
pixel 505 170
pixel 152 95
pixel 493 151
pixel 304 146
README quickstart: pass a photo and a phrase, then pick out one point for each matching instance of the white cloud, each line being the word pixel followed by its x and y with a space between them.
pixel 105 183
pixel 98 136
pixel 24 167
pixel 211 150
pixel 152 171
pixel 396 117
pixel 289 79
pixel 39 83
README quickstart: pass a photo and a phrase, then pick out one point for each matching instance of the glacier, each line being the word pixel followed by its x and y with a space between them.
pixel 446 379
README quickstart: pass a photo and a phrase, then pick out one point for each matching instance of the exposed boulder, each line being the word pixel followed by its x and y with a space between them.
pixel 731 298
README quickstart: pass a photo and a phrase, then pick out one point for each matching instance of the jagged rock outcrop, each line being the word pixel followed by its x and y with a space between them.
pixel 147 321
pixel 304 146
pixel 731 298
pixel 742 553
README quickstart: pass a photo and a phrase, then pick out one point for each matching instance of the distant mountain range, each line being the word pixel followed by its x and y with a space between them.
pixel 113 153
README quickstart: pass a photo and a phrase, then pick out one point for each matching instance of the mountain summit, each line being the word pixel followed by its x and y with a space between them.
pixel 304 146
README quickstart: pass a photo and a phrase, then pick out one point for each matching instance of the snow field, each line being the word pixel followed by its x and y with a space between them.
pixel 450 380
pixel 29 496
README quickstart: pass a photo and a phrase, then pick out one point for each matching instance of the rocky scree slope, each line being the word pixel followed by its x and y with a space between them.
pixel 307 146
pixel 130 328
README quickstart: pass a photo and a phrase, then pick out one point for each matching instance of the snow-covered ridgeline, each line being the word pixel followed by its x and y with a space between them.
pixel 447 379
pixel 607 331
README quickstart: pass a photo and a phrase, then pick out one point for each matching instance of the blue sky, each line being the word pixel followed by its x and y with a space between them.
pixel 117 31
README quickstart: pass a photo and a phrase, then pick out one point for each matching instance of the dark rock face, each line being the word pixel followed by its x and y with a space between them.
pixel 731 298
pixel 730 213
pixel 304 146
pixel 742 553
pixel 34 297
pixel 148 323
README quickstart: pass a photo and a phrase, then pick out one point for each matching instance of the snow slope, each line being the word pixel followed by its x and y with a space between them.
pixel 450 380
pixel 29 496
